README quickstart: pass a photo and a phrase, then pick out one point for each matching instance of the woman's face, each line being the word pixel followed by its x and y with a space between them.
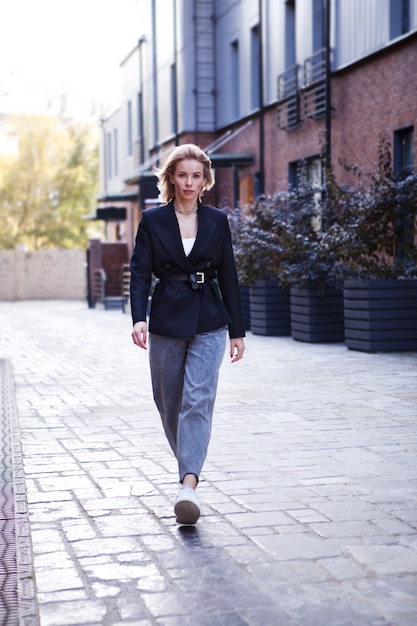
pixel 188 180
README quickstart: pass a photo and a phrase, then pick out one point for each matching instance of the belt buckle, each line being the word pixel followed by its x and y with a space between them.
pixel 200 278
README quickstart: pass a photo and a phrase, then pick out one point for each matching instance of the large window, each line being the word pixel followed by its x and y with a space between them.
pixel 129 129
pixel 399 17
pixel 255 73
pixel 290 56
pixel 109 156
pixel 315 66
pixel 318 25
pixel 404 152
pixel 308 172
pixel 116 152
pixel 234 80
pixel 173 94
pixel 141 148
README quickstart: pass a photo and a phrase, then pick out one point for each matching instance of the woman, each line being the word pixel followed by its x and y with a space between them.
pixel 187 246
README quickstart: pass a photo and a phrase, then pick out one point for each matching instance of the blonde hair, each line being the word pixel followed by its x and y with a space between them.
pixel 181 153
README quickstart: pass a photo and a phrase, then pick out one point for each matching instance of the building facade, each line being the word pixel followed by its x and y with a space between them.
pixel 269 88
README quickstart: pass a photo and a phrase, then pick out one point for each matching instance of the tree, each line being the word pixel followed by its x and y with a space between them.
pixel 49 187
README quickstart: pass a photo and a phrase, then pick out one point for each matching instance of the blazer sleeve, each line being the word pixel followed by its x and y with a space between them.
pixel 141 273
pixel 229 286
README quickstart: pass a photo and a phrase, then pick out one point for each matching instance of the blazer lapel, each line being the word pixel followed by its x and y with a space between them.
pixel 169 235
pixel 206 229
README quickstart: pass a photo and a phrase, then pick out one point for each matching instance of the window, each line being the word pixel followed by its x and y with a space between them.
pixel 140 129
pixel 290 57
pixel 116 154
pixel 173 99
pixel 399 17
pixel 109 156
pixel 308 172
pixel 315 66
pixel 234 80
pixel 129 129
pixel 404 152
pixel 255 74
pixel 288 109
pixel 318 25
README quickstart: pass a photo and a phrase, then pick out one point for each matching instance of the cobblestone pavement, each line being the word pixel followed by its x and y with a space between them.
pixel 309 493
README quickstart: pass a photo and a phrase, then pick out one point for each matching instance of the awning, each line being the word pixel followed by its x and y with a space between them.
pixel 231 159
pixel 126 196
pixel 111 214
pixel 142 177
pixel 148 186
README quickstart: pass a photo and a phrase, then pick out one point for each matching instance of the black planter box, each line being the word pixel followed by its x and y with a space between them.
pixel 269 309
pixel 381 315
pixel 244 296
pixel 317 319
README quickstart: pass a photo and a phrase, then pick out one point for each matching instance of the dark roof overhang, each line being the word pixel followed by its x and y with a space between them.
pixel 111 214
pixel 127 196
pixel 141 176
pixel 231 159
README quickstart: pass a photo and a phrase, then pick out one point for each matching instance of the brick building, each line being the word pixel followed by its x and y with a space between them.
pixel 262 85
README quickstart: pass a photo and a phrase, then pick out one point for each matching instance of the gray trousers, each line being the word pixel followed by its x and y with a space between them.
pixel 184 376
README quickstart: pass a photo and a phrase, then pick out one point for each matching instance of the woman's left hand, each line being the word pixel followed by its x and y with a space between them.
pixel 237 348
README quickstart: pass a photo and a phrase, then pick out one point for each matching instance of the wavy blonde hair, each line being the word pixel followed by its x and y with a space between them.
pixel 181 153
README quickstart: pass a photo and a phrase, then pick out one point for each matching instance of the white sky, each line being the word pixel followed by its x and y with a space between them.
pixel 53 47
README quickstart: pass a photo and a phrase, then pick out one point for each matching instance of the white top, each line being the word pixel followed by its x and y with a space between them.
pixel 188 245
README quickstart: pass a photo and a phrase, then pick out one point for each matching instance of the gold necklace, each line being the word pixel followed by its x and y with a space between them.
pixel 178 210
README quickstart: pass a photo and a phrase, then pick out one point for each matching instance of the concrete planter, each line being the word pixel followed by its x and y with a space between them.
pixel 317 319
pixel 381 315
pixel 269 309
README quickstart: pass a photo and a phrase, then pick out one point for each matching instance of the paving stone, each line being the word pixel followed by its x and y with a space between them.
pixel 56 579
pixel 301 546
pixel 71 613
pixel 387 560
pixel 309 500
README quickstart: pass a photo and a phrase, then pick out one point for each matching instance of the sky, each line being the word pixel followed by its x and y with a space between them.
pixel 54 47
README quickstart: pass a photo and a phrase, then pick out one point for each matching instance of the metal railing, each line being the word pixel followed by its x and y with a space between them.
pixel 315 84
pixel 288 109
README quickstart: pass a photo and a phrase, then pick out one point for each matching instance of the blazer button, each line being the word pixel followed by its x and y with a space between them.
pixel 175 290
pixel 168 266
pixel 208 264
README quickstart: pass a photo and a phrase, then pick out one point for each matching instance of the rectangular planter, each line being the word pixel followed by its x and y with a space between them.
pixel 317 319
pixel 244 296
pixel 380 315
pixel 269 309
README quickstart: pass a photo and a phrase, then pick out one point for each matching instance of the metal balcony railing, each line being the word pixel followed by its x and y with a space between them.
pixel 288 108
pixel 315 84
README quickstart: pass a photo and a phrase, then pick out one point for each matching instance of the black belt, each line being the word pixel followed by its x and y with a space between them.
pixel 196 279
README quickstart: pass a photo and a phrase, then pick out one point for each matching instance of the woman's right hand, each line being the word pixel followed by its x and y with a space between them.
pixel 140 334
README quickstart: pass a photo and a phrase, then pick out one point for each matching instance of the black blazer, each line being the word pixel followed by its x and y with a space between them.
pixel 178 309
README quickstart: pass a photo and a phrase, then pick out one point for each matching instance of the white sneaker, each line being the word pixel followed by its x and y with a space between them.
pixel 187 506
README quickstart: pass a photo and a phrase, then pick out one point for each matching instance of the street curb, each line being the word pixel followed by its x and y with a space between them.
pixel 19 606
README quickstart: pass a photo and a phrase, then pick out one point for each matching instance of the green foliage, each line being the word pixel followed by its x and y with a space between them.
pixel 256 237
pixel 313 241
pixel 381 222
pixel 48 188
pixel 316 237
pixel 292 238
